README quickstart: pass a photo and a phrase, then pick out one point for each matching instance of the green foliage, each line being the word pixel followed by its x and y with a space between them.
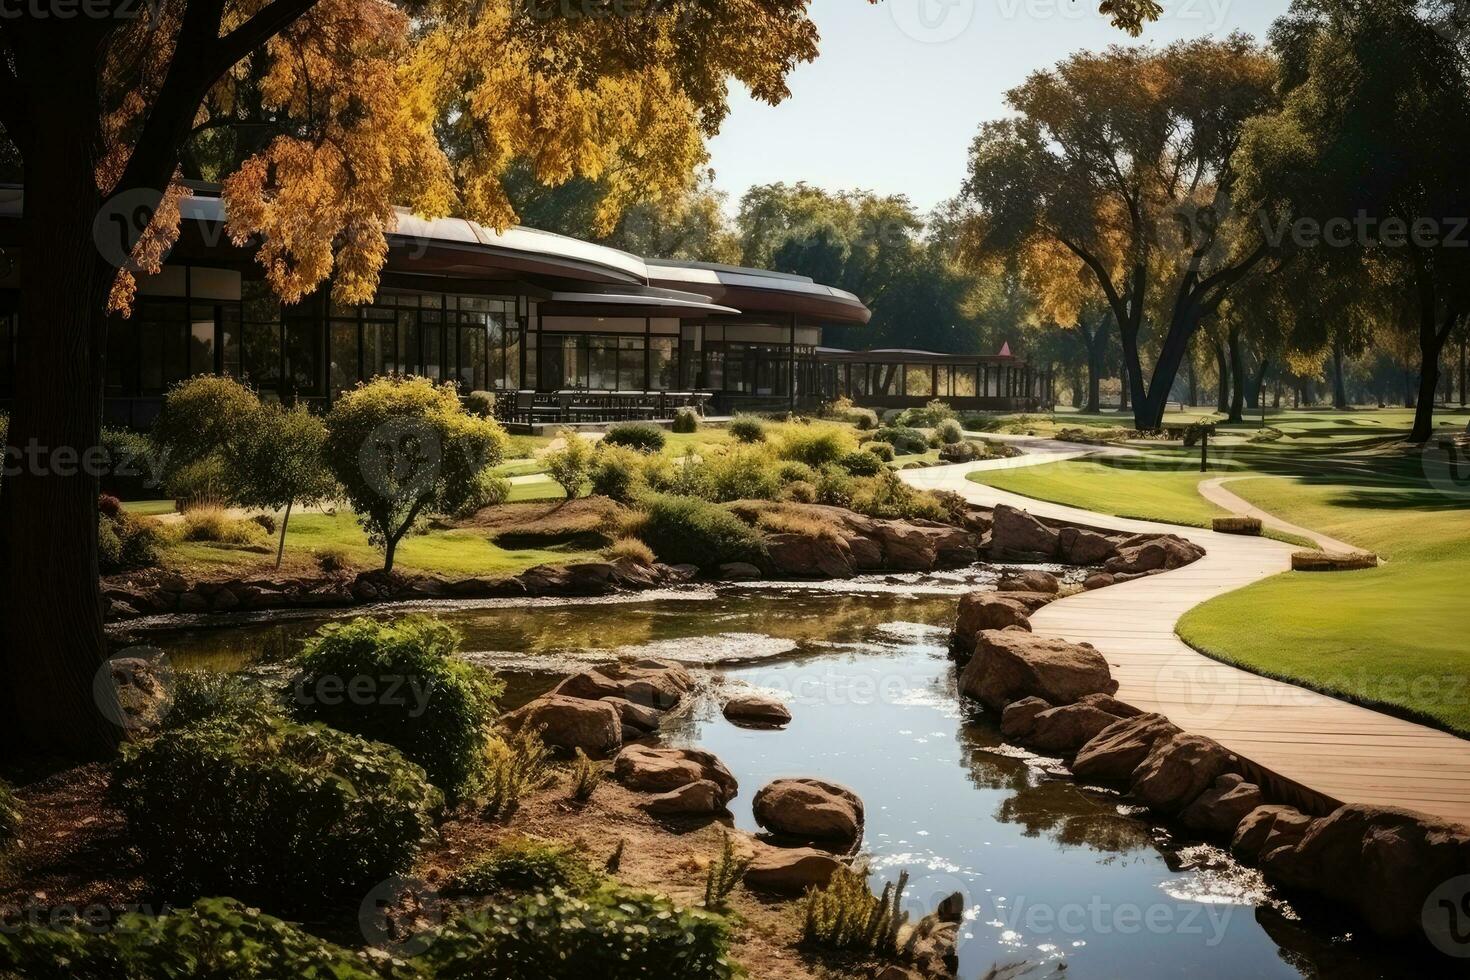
pixel 686 530
pixel 790 471
pixel 513 767
pixel 486 490
pixel 930 416
pixel 742 472
pixel 949 432
pixel 886 496
pixel 217 938
pixel 630 548
pixel 587 775
pixel 747 428
pixel 861 463
pixel 569 465
pixel 278 460
pixel 289 816
pixel 127 542
pixel 815 445
pixel 724 874
pixel 206 696
pixel 963 452
pixel 200 483
pixel 416 694
pixel 983 423
pixel 201 418
pixel 402 449
pixel 882 450
pixel 642 436
pixel 612 933
pixel 519 864
pixel 843 410
pixel 617 473
pixel 332 559
pixel 799 492
pixel 835 486
pixel 481 403
pixel 686 420
pixel 214 524
pixel 905 441
pixel 10 817
pixel 847 916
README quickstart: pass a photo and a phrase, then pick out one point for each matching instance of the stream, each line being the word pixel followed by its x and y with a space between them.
pixel 1059 880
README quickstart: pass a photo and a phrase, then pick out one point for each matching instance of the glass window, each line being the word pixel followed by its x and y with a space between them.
pixel 510 377
pixel 964 382
pixel 631 365
pixel 344 355
pixel 408 343
pixel 163 343
pixel 304 355
pixel 436 364
pixel 918 381
pixel 662 363
pixel 229 339
pixel 201 339
pixel 122 368
pixel 472 356
pixel 602 363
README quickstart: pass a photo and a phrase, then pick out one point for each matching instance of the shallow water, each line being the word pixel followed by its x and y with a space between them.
pixel 1059 880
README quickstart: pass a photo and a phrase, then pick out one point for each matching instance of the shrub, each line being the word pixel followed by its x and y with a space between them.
pixel 686 420
pixel 724 874
pixel 880 449
pixel 201 483
pixel 481 403
pixel 206 695
pixel 513 767
pixel 127 542
pixel 642 436
pixel 403 448
pixel 949 432
pixel 522 865
pixel 109 546
pixel 983 423
pixel 861 463
pixel 108 505
pixel 843 410
pixel 267 522
pixel 485 490
pixel 332 560
pixel 10 817
pixel 956 508
pixel 289 816
pixel 747 428
pixel 630 548
pixel 612 933
pixel 799 492
pixel 790 471
pixel 847 916
pixel 905 441
pixel 424 700
pixel 739 473
pixel 962 452
pixel 835 487
pixel 278 462
pixel 685 530
pixel 931 415
pixel 617 473
pixel 213 524
pixel 886 496
pixel 569 465
pixel 586 776
pixel 815 445
pixel 201 418
pixel 219 938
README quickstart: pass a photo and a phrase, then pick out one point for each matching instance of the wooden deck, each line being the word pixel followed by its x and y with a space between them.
pixel 1296 738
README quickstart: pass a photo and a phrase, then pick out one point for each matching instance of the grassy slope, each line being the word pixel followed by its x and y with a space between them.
pixel 1128 487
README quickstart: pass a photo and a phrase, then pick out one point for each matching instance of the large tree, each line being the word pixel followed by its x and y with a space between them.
pixel 1364 158
pixel 1124 158
pixel 320 116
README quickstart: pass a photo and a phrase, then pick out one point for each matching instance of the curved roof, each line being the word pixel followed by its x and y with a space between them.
pixel 760 290
pixel 647 301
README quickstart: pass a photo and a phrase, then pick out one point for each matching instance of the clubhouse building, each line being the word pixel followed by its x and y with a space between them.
pixel 560 329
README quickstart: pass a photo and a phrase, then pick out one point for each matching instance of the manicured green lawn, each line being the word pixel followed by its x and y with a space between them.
pixel 1157 487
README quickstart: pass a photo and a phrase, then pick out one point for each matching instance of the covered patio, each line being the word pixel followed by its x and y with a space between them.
pixel 902 378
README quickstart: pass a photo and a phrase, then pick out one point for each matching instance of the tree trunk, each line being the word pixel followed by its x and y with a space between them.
pixel 1125 383
pixel 1432 339
pixel 54 643
pixel 1222 368
pixel 1193 372
pixel 285 519
pixel 389 547
pixel 1096 343
pixel 1255 395
pixel 1339 384
pixel 1408 389
pixel 1463 365
pixel 1237 377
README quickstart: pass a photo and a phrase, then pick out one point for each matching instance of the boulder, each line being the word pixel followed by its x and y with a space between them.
pixel 1079 546
pixel 1029 580
pixel 570 723
pixel 1016 536
pixel 1116 751
pixel 1019 717
pixel 811 809
pixel 1032 601
pixel 1221 808
pixel 756 709
pixel 1177 771
pixel 699 798
pixel 652 683
pixel 1099 581
pixel 738 571
pixel 1265 829
pixel 1326 561
pixel 1160 553
pixel 657 770
pixel 809 556
pixel 1011 664
pixel 635 716
pixel 1068 727
pixel 1110 704
pixel 790 870
pixel 1384 862
pixel 980 611
pixel 933 947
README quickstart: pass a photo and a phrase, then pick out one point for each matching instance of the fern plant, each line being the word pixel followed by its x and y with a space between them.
pixel 847 916
pixel 586 776
pixel 724 874
pixel 514 767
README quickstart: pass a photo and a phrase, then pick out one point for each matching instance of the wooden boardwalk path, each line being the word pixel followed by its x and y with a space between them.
pixel 1338 752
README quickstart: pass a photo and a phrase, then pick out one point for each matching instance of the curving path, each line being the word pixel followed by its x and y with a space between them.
pixel 1216 493
pixel 1313 748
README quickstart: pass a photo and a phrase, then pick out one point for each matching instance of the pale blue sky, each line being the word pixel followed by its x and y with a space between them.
pixel 901 86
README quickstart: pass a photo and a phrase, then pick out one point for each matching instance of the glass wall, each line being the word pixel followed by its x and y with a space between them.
pixel 606 361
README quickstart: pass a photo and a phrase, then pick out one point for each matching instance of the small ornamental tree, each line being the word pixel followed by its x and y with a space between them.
pixel 404 448
pixel 278 461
